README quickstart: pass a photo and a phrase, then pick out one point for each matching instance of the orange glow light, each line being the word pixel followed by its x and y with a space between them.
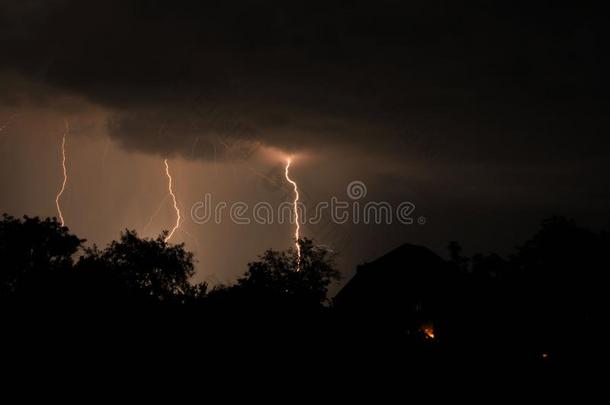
pixel 428 330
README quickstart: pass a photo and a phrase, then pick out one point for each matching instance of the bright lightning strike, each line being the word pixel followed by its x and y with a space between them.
pixel 296 213
pixel 65 172
pixel 171 193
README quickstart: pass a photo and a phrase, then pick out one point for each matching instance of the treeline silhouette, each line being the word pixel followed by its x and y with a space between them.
pixel 536 309
pixel 44 264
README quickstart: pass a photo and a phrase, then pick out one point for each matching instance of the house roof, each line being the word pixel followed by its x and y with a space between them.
pixel 405 273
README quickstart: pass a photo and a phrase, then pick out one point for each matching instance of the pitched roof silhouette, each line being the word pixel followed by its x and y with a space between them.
pixel 403 278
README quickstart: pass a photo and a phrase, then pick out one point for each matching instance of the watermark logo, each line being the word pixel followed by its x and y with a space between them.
pixel 356 190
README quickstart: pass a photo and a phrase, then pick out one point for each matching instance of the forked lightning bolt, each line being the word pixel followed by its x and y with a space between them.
pixel 171 193
pixel 65 172
pixel 296 213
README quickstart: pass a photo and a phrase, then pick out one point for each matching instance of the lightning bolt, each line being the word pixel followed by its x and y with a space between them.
pixel 65 172
pixel 296 213
pixel 171 193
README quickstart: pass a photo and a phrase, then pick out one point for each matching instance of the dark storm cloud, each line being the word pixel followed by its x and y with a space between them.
pixel 477 81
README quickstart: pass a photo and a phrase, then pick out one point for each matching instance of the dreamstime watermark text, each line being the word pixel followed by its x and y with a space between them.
pixel 340 211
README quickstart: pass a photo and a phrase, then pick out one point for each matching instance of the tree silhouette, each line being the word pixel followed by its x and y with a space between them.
pixel 37 256
pixel 558 276
pixel 540 303
pixel 38 266
pixel 274 282
pixel 276 273
pixel 145 269
pixel 455 256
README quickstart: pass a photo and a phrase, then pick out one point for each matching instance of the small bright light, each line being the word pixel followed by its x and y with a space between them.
pixel 428 331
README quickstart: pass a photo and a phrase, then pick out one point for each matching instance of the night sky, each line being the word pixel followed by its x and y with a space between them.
pixel 488 118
